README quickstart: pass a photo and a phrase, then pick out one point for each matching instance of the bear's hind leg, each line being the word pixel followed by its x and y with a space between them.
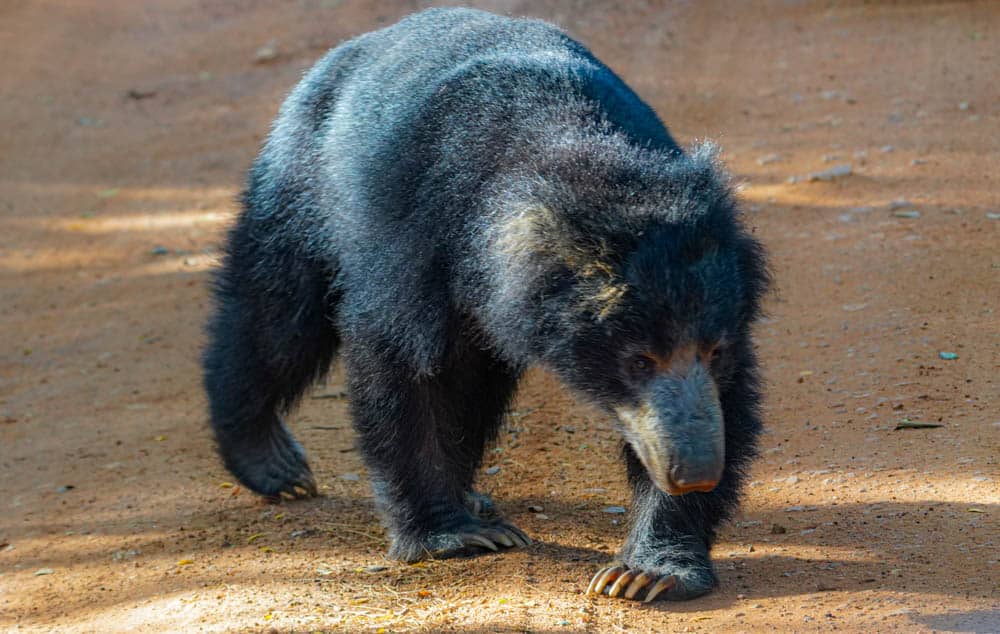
pixel 423 439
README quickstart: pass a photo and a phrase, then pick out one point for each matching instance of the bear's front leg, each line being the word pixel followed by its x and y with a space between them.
pixel 666 553
pixel 422 438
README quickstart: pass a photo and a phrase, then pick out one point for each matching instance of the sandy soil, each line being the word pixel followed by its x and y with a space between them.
pixel 127 127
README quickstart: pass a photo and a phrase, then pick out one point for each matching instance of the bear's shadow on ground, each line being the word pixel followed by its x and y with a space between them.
pixel 345 528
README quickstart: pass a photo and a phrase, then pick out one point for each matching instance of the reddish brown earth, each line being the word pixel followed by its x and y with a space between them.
pixel 127 127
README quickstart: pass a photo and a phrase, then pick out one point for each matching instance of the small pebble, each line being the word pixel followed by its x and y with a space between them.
pixel 534 508
pixel 541 516
pixel 885 149
pixel 376 568
pixel 837 171
pixel 963 106
pixel 159 250
pixel 352 477
pixel 614 509
pixel 909 213
pixel 768 159
pixel 265 54
pixel 992 215
pixel 493 470
pixel 948 356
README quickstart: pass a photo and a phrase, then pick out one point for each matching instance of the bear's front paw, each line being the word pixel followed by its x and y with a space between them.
pixel 670 582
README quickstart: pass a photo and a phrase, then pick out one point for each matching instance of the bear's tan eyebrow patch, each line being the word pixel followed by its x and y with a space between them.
pixel 682 357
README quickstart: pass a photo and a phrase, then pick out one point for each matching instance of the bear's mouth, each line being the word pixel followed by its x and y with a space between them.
pixel 665 476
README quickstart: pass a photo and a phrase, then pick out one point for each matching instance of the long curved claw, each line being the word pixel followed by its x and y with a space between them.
pixel 622 582
pixel 499 536
pixel 519 537
pixel 473 539
pixel 664 584
pixel 603 578
pixel 637 584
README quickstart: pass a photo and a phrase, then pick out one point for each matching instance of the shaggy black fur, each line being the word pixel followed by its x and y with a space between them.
pixel 446 202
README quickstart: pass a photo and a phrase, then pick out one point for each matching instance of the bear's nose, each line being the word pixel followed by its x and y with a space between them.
pixel 701 476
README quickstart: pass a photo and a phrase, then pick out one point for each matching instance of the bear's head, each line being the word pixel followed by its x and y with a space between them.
pixel 641 284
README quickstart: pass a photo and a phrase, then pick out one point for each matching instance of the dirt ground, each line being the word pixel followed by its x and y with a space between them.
pixel 126 130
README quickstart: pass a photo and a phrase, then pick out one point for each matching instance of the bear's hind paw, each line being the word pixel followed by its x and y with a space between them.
pixel 469 539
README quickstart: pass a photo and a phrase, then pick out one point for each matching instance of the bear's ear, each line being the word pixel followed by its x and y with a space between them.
pixel 536 237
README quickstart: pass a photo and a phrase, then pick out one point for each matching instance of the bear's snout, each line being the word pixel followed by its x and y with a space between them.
pixel 678 431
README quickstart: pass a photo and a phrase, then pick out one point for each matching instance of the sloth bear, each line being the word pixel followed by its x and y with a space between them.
pixel 448 201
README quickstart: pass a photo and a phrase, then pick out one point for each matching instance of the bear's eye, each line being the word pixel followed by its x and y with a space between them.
pixel 712 351
pixel 642 365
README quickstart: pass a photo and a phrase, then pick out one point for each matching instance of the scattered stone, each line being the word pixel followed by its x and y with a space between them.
pixel 963 106
pixel 767 159
pixel 534 508
pixel 853 308
pixel 837 171
pixel 569 429
pixel 493 470
pixel 65 488
pixel 44 571
pixel 159 250
pixel 266 53
pixel 899 203
pixel 992 215
pixel 376 568
pixel 885 149
pixel 615 510
pixel 541 516
pixel 908 213
pixel 795 509
pixel 778 529
pixel 122 555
